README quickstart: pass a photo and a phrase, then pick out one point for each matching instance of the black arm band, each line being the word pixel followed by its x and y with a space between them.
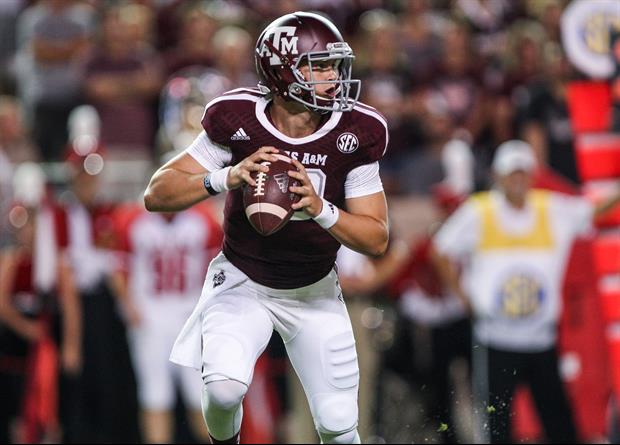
pixel 207 183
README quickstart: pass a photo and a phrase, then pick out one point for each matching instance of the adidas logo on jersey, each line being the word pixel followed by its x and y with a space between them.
pixel 240 135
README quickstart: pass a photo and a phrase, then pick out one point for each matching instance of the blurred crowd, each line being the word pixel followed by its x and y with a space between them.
pixel 476 71
pixel 95 94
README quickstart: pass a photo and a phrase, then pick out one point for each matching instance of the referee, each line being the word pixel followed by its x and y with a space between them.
pixel 515 241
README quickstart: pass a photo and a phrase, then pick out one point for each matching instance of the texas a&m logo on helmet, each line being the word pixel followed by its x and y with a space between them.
pixel 284 40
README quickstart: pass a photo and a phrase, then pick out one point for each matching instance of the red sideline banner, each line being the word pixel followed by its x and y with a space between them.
pixel 589 106
pixel 607 254
pixel 598 156
pixel 613 338
pixel 610 303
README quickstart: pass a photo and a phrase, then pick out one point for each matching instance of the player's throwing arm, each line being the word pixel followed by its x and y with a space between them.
pixel 180 183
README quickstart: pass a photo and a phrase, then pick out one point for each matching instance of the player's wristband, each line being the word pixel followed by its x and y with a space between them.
pixel 215 182
pixel 329 215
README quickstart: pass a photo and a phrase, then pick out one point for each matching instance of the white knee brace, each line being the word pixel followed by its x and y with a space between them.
pixel 336 414
pixel 344 438
pixel 222 407
pixel 224 394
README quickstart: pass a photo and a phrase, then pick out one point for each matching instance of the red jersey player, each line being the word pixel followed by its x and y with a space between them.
pixel 165 259
pixel 306 107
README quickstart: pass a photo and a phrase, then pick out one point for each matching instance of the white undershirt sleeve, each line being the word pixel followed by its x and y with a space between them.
pixel 363 180
pixel 210 155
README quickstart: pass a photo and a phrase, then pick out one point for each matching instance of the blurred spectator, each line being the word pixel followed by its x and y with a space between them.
pixel 39 308
pixel 362 279
pixel 140 21
pixel 508 74
pixel 194 45
pixel 165 260
pixel 486 16
pixel 459 81
pixel 488 19
pixel 499 128
pixel 6 198
pixel 103 401
pixel 381 56
pixel 182 105
pixel 122 82
pixel 9 11
pixel 433 332
pixel 167 23
pixel 418 172
pixel 516 242
pixel 523 62
pixel 234 56
pixel 386 80
pixel 364 276
pixel 14 141
pixel 543 116
pixel 52 36
pixel 548 13
pixel 419 41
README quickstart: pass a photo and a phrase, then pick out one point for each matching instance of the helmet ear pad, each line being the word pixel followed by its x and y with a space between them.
pixel 282 74
pixel 289 79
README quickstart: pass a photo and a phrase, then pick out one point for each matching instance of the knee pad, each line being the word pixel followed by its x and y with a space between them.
pixel 225 395
pixel 335 414
pixel 344 438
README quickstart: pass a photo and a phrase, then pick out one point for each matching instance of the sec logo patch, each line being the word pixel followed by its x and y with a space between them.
pixel 347 142
pixel 521 296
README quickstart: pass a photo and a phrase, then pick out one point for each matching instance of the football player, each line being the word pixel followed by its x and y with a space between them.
pixel 164 258
pixel 305 107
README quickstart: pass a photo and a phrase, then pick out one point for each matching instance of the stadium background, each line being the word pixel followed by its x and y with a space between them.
pixel 454 78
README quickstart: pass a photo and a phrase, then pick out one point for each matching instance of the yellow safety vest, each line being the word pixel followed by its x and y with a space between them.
pixel 492 236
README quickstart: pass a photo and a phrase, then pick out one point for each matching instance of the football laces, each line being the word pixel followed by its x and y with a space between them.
pixel 261 178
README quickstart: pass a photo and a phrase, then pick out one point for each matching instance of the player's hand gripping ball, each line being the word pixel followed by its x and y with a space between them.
pixel 268 204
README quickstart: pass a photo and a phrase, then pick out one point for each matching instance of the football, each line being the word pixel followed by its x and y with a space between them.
pixel 268 205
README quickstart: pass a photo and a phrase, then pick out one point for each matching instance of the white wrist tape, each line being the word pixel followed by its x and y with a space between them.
pixel 329 215
pixel 218 179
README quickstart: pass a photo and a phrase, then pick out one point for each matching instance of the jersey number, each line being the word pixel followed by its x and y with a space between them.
pixel 169 267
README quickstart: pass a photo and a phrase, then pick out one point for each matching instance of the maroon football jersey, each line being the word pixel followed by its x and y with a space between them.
pixel 302 252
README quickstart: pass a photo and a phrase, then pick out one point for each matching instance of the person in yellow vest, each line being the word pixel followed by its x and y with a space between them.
pixel 515 241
